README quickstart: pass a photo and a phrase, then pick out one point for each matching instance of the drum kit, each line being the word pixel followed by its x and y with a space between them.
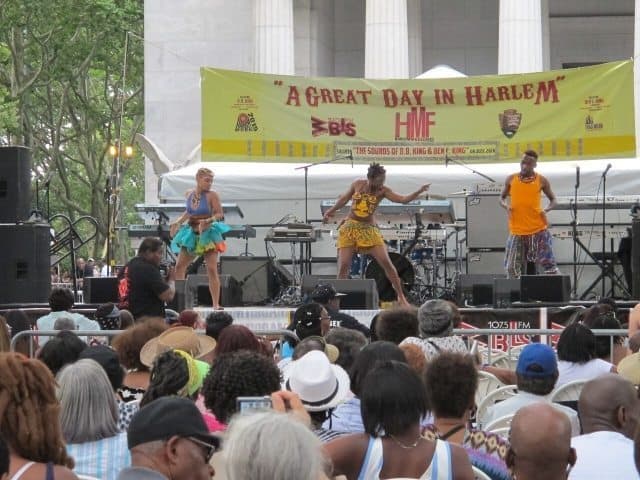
pixel 421 263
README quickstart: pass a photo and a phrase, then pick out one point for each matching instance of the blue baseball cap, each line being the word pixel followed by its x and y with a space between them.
pixel 537 360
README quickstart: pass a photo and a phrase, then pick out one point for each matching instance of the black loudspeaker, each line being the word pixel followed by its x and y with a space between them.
pixel 361 294
pixel 15 184
pixel 545 288
pixel 25 275
pixel 476 289
pixel 196 291
pixel 256 275
pixel 635 256
pixel 505 292
pixel 100 289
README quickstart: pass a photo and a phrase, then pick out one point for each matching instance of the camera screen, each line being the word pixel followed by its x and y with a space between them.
pixel 252 403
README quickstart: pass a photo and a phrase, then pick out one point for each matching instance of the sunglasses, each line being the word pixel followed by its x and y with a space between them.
pixel 208 449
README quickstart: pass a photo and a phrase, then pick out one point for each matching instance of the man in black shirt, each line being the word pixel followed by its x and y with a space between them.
pixel 326 295
pixel 147 290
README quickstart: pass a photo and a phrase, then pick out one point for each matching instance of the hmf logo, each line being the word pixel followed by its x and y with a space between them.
pixel 416 124
pixel 333 127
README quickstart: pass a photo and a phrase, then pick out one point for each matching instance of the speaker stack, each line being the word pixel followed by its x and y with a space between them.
pixel 25 260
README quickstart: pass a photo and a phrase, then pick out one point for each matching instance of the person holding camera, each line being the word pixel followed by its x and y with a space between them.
pixel 203 232
pixel 147 289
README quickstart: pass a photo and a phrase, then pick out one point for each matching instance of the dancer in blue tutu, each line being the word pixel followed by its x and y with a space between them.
pixel 202 234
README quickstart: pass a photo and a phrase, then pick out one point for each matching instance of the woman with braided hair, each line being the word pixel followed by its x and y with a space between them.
pixel 29 420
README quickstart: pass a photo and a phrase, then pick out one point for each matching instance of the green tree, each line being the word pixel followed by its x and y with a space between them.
pixel 65 95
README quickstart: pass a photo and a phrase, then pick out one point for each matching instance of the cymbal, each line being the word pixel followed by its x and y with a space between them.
pixel 436 196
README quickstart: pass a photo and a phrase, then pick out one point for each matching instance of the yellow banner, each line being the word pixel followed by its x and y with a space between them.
pixel 578 113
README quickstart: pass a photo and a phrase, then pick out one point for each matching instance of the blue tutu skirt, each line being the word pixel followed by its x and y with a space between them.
pixel 211 239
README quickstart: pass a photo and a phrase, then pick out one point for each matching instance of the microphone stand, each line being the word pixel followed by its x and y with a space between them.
pixel 605 262
pixel 574 225
pixel 448 160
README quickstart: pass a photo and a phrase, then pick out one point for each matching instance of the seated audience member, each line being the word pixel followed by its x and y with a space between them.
pixel 577 358
pixel 396 324
pixel 540 440
pixel 415 358
pixel 310 319
pixel 4 460
pixel 169 440
pixel 393 403
pixel 320 385
pixel 238 374
pixel 436 319
pixel 609 410
pixel 536 374
pixel 175 373
pixel 325 294
pixel 216 322
pixel 346 417
pixel 89 420
pixel 107 358
pixel 108 316
pixel 61 302
pixel 314 343
pixel 238 337
pixel 177 338
pixel 190 318
pixel 61 350
pixel 18 321
pixel 29 420
pixel 634 320
pixel 451 381
pixel 128 345
pixel 629 366
pixel 608 321
pixel 64 323
pixel 292 452
pixel 348 342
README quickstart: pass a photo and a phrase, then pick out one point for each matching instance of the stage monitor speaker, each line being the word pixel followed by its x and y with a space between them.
pixel 505 292
pixel 15 184
pixel 100 290
pixel 361 294
pixel 476 289
pixel 635 256
pixel 545 288
pixel 197 292
pixel 259 277
pixel 25 275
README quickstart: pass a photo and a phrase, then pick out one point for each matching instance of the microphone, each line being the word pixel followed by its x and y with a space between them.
pixel 350 157
pixel 577 177
pixel 604 174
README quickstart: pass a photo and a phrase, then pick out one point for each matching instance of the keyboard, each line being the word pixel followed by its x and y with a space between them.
pixel 593 202
pixel 590 231
pixel 431 211
pixel 140 231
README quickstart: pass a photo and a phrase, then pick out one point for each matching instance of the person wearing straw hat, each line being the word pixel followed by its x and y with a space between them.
pixel 177 338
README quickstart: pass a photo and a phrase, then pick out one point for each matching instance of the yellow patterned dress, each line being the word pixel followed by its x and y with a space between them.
pixel 359 234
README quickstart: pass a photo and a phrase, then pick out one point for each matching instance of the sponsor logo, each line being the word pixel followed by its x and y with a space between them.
pixel 509 122
pixel 246 123
pixel 590 124
pixel 333 127
pixel 244 102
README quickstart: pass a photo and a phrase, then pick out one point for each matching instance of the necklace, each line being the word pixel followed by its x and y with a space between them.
pixel 195 200
pixel 411 445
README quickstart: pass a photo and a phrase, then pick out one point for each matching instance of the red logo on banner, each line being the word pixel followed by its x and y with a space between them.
pixel 333 127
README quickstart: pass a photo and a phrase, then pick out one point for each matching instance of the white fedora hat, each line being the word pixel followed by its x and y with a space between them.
pixel 320 384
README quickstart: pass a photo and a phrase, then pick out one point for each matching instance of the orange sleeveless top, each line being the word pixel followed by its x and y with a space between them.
pixel 527 216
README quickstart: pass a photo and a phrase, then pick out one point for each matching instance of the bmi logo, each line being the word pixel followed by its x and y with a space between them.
pixel 246 123
pixel 333 127
pixel 509 122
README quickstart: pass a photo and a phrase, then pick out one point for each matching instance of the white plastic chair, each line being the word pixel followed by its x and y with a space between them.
pixel 514 354
pixel 86 477
pixel 479 474
pixel 569 392
pixel 496 396
pixel 487 383
pixel 499 424
pixel 502 431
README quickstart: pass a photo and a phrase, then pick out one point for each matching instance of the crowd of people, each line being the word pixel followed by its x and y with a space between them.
pixel 175 398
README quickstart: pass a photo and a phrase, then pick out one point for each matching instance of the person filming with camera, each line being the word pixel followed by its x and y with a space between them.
pixel 144 290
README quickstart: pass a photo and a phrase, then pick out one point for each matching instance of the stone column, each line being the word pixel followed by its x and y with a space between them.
pixel 386 50
pixel 520 36
pixel 273 43
pixel 414 28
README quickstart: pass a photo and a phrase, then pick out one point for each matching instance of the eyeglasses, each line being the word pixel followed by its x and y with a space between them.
pixel 208 449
